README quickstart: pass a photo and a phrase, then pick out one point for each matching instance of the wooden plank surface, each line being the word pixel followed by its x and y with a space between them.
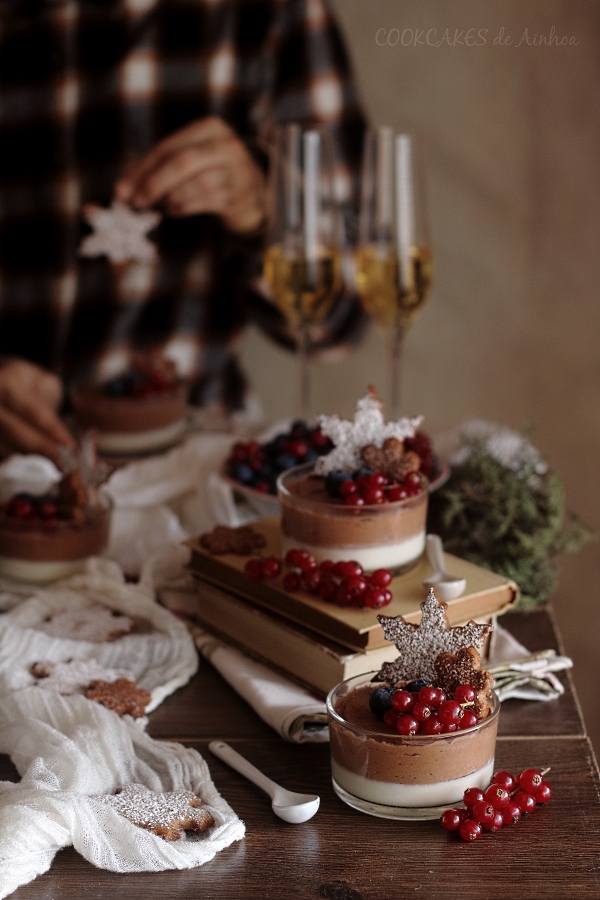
pixel 344 855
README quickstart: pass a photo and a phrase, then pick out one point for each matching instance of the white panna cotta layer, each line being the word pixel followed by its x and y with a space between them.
pixel 39 572
pixel 384 556
pixel 140 441
pixel 387 793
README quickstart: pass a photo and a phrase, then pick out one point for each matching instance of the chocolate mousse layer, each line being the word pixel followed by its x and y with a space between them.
pixel 313 518
pixel 54 541
pixel 129 414
pixel 368 748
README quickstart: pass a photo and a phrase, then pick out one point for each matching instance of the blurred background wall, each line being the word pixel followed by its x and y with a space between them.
pixel 511 332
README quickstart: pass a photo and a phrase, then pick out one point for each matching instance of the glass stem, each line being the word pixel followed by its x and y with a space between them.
pixel 304 374
pixel 395 338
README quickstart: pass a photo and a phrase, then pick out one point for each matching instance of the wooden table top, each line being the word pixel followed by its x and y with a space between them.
pixel 342 854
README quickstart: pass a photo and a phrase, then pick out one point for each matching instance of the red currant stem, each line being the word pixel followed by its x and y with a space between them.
pixel 468 703
pixel 544 771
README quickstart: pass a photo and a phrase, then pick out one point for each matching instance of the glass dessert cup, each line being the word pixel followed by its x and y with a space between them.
pixel 389 535
pixel 41 552
pixel 131 424
pixel 394 776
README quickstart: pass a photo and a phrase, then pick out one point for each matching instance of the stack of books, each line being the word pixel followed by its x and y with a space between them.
pixel 315 642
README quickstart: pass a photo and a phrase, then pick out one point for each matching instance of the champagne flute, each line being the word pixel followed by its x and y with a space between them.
pixel 302 265
pixel 393 262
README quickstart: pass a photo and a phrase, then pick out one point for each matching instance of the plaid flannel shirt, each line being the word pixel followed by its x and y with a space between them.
pixel 88 86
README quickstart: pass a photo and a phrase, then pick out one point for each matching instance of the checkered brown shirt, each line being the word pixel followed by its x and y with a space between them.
pixel 86 87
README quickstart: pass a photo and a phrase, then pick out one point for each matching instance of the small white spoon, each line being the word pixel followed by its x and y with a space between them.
pixel 289 806
pixel 448 587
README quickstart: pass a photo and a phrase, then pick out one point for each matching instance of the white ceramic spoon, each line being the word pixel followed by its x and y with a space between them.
pixel 448 587
pixel 289 806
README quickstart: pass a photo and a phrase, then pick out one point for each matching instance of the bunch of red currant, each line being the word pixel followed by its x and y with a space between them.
pixel 502 803
pixel 32 508
pixel 420 708
pixel 344 583
pixel 376 488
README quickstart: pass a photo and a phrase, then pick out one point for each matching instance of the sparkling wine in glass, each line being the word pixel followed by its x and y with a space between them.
pixel 393 261
pixel 303 264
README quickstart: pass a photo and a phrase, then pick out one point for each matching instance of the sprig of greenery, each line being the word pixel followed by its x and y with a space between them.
pixel 512 522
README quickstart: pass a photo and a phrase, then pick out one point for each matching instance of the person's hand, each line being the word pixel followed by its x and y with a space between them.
pixel 202 168
pixel 29 403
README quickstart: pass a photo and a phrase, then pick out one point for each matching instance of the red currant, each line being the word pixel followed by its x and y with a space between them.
pixel 429 696
pixel 507 780
pixel 263 486
pixel 362 482
pixel 525 801
pixel 511 813
pixel 299 449
pixel 472 796
pixel 351 569
pixel 357 586
pixel 20 508
pixel 497 796
pixel 496 823
pixel 342 597
pixel 403 701
pixel 470 830
pixel 328 588
pixel 450 712
pixel 291 581
pixel 432 725
pixel 530 780
pixel 407 724
pixel 326 566
pixel 381 578
pixel 396 493
pixel 451 819
pixel 312 580
pixel 293 557
pixel 375 598
pixel 373 496
pixel 253 569
pixel 412 479
pixel 421 712
pixel 483 812
pixel 390 717
pixel 270 567
pixel 464 693
pixel 348 487
pixel 48 510
pixel 354 500
pixel 377 479
pixel 468 720
pixel 543 793
pixel 308 563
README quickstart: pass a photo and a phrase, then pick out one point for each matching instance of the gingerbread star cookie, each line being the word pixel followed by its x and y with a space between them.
pixel 419 645
pixel 121 695
pixel 464 667
pixel 243 540
pixel 391 459
pixel 165 814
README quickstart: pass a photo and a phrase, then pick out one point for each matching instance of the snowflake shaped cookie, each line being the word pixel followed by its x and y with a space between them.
pixel 420 645
pixel 368 427
pixel 119 233
pixel 84 459
pixel 165 814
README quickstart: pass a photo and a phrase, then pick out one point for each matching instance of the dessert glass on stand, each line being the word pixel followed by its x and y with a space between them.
pixel 394 776
pixel 393 262
pixel 303 266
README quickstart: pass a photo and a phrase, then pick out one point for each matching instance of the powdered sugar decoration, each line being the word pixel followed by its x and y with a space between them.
pixel 368 427
pixel 120 233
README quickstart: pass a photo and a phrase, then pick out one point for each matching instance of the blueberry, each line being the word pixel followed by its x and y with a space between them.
pixel 242 473
pixel 118 387
pixel 364 470
pixel 413 687
pixel 265 473
pixel 334 480
pixel 311 456
pixel 380 700
pixel 285 461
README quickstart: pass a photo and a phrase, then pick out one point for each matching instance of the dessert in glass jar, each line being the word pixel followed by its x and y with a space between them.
pixel 141 411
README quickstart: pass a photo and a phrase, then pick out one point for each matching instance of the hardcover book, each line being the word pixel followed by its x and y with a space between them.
pixel 358 629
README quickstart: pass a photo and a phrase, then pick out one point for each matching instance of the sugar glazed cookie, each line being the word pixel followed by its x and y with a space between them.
pixel 164 814
pixel 94 623
pixel 464 667
pixel 419 645
pixel 122 696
